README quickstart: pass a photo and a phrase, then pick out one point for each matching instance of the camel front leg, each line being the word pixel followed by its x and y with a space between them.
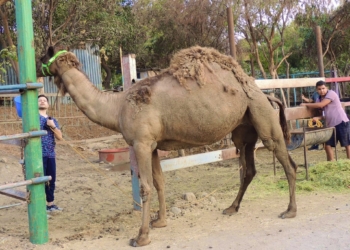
pixel 158 182
pixel 143 156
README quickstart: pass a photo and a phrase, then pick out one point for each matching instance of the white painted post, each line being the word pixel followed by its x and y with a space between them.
pixel 129 70
pixel 129 73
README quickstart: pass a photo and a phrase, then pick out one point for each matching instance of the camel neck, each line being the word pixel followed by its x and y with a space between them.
pixel 100 107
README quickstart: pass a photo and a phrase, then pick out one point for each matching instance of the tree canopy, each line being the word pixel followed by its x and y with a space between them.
pixel 273 37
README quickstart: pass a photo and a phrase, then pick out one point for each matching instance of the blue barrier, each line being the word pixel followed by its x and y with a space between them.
pixel 18 105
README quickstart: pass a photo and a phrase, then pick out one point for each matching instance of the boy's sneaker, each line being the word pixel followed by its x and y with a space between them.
pixel 313 147
pixel 53 208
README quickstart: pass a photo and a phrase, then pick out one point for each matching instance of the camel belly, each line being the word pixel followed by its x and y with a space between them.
pixel 198 132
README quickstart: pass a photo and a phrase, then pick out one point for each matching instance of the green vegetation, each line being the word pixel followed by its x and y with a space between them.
pixel 279 44
pixel 6 55
pixel 324 176
pixel 332 176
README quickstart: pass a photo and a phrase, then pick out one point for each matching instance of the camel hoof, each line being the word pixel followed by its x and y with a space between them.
pixel 230 211
pixel 139 243
pixel 158 223
pixel 287 214
pixel 133 243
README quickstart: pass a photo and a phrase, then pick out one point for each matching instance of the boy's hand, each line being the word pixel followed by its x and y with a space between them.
pixel 50 123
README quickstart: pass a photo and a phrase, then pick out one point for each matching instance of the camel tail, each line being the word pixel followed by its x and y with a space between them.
pixel 283 120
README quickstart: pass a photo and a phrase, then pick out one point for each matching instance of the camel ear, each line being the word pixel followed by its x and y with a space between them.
pixel 51 51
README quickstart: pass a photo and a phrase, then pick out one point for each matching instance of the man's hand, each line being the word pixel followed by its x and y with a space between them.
pixel 50 123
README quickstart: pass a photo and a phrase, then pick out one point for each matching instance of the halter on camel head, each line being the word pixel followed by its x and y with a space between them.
pixel 48 64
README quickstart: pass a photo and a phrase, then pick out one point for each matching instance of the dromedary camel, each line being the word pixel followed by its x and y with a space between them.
pixel 199 99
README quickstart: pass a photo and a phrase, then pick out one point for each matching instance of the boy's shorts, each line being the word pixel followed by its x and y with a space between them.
pixel 342 135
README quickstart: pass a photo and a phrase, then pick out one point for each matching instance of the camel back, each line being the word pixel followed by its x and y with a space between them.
pixel 189 64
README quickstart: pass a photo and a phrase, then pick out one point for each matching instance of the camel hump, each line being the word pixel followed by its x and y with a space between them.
pixel 190 63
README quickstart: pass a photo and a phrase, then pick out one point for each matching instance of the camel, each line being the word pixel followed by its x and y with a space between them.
pixel 200 98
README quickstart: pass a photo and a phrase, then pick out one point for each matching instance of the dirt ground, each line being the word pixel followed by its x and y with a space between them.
pixel 98 211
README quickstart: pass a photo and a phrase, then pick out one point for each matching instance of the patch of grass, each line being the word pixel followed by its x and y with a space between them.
pixel 328 176
pixel 324 176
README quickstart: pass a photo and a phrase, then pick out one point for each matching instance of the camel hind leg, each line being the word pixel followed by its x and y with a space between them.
pixel 245 138
pixel 265 121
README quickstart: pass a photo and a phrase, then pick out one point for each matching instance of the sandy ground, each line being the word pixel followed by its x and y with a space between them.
pixel 98 211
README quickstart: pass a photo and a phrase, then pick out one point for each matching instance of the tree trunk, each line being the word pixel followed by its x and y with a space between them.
pixel 252 66
pixel 7 40
pixel 107 81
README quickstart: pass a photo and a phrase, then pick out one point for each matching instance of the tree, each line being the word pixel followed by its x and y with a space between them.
pixel 335 28
pixel 7 56
pixel 262 24
pixel 165 26
pixel 8 39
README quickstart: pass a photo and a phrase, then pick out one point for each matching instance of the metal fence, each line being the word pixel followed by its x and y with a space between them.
pixel 90 60
pixel 88 57
pixel 62 107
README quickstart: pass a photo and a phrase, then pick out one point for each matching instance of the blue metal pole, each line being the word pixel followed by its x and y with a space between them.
pixel 24 135
pixel 37 180
pixel 24 86
pixel 135 180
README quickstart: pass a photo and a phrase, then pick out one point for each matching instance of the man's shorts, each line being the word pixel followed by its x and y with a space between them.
pixel 342 135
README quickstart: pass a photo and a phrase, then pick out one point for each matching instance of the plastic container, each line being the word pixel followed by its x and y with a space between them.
pixel 117 155
pixel 18 105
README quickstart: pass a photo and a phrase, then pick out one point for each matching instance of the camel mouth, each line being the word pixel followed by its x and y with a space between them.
pixel 54 64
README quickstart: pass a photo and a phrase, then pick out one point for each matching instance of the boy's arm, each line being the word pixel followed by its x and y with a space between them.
pixel 58 133
pixel 56 130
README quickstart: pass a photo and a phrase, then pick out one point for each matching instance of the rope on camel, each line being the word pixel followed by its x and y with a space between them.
pixel 98 170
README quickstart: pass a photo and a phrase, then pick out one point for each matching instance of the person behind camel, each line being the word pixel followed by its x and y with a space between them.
pixel 315 96
pixel 48 148
pixel 334 116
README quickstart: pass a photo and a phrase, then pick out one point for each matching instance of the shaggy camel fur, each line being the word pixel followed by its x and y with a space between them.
pixel 199 99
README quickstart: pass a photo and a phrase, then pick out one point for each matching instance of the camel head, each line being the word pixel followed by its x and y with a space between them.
pixel 54 63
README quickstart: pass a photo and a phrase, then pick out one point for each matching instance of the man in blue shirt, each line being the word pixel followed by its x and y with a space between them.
pixel 48 148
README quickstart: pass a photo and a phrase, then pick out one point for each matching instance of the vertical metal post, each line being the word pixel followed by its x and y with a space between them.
pixel 295 104
pixel 129 70
pixel 274 162
pixel 129 73
pixel 38 229
pixel 305 156
pixel 335 144
pixel 135 184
